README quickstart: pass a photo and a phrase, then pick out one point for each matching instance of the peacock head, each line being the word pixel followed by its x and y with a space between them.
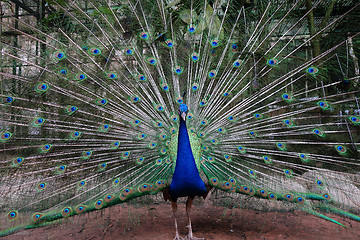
pixel 183 110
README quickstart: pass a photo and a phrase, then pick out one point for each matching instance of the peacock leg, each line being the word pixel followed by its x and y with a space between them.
pixel 174 208
pixel 188 209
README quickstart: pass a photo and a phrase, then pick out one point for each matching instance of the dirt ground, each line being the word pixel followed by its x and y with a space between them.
pixel 210 222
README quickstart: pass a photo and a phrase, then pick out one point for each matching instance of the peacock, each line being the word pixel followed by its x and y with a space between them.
pixel 106 101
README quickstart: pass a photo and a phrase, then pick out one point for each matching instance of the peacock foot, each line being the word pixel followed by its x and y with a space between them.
pixel 191 237
pixel 178 238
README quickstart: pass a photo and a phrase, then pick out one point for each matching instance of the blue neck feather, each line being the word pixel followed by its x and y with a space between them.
pixel 186 180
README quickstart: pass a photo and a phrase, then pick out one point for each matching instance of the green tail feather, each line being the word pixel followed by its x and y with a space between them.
pixel 90 95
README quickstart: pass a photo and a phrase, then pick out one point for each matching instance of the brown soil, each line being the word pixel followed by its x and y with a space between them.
pixel 210 222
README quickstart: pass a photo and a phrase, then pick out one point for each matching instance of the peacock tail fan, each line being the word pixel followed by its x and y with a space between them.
pixel 90 96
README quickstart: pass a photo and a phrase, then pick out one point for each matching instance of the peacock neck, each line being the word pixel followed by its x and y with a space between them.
pixel 185 157
pixel 186 180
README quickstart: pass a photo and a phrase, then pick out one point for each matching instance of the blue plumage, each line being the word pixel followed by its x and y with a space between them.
pixel 186 180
